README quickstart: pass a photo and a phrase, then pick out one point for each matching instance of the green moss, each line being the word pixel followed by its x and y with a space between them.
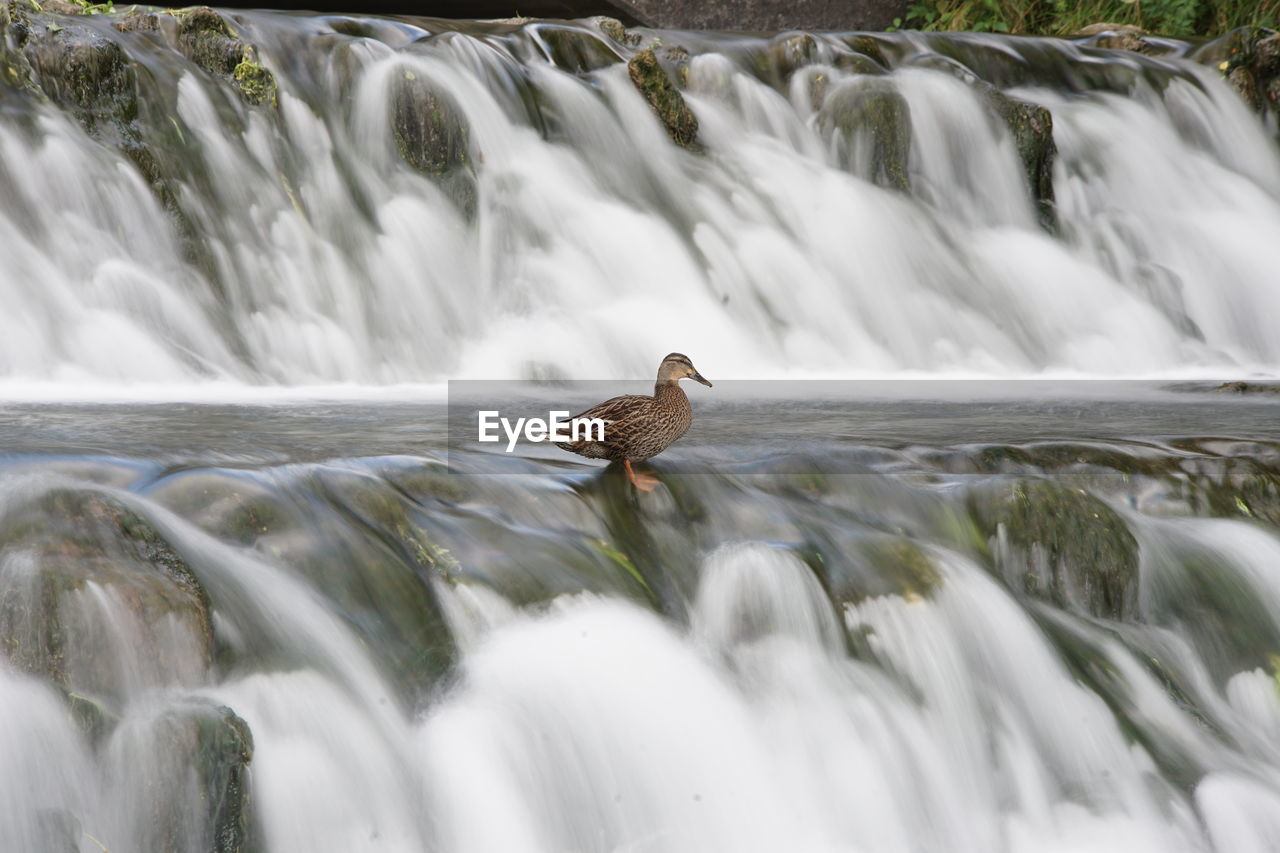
pixel 664 98
pixel 256 84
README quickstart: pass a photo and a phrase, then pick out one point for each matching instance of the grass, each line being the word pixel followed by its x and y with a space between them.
pixel 1064 17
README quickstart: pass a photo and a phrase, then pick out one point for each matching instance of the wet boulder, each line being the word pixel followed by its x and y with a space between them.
pixel 574 49
pixel 1060 544
pixel 1032 128
pixel 93 598
pixel 209 40
pixel 870 123
pixel 871 564
pixel 430 131
pixel 196 757
pixel 654 84
pixel 1249 60
pixel 84 72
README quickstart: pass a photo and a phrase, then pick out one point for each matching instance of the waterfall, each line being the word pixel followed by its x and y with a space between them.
pixel 934 616
pixel 552 229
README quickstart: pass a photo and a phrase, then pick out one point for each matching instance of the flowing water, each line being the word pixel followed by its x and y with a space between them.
pixel 241 614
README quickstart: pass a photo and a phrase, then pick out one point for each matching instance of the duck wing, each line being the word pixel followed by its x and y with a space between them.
pixel 620 416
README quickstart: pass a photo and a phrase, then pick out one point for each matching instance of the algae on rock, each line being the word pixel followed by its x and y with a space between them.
pixel 664 98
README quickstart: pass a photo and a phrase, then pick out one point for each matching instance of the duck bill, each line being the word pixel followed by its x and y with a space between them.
pixel 698 377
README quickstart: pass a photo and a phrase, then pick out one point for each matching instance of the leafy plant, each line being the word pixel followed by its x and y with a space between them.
pixel 1064 17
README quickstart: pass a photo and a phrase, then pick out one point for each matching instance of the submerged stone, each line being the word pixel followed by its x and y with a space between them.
pixel 664 98
pixel 1060 544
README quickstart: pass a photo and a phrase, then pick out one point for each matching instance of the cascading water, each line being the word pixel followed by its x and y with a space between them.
pixel 560 233
pixel 925 616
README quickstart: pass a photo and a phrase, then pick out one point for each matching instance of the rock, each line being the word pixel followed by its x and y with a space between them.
pixel 575 50
pixel 872 122
pixel 430 131
pixel 94 584
pixel 89 75
pixel 198 754
pixel 1032 129
pixel 209 40
pixel 664 98
pixel 1242 80
pixel 60 7
pixel 764 15
pixel 256 84
pixel 1060 544
pixel 1120 37
pixel 896 566
pixel 1249 59
pixel 614 29
pixel 1239 387
pixel 138 22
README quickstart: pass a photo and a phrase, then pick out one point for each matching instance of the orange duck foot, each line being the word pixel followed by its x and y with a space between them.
pixel 645 481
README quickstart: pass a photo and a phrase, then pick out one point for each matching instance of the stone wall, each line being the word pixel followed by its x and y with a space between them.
pixel 742 15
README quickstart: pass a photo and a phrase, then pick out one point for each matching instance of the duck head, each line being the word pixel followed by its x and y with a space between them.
pixel 677 366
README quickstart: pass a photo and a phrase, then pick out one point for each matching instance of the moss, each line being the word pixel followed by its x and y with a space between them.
pixel 1060 544
pixel 256 84
pixel 664 99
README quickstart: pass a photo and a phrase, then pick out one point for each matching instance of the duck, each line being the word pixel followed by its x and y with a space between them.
pixel 639 427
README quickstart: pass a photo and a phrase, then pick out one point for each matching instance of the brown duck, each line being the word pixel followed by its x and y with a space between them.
pixel 639 427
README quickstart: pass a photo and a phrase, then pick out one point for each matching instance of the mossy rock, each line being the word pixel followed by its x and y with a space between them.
pixel 872 123
pixel 209 40
pixel 864 45
pixel 431 132
pixel 87 74
pixel 256 84
pixel 575 50
pixel 664 99
pixel 785 54
pixel 1246 489
pixel 614 29
pixel 1060 544
pixel 886 565
pixel 1032 129
pixel 83 549
pixel 196 752
pixel 1210 603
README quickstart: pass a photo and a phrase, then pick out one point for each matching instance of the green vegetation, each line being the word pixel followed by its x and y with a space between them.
pixel 1064 17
